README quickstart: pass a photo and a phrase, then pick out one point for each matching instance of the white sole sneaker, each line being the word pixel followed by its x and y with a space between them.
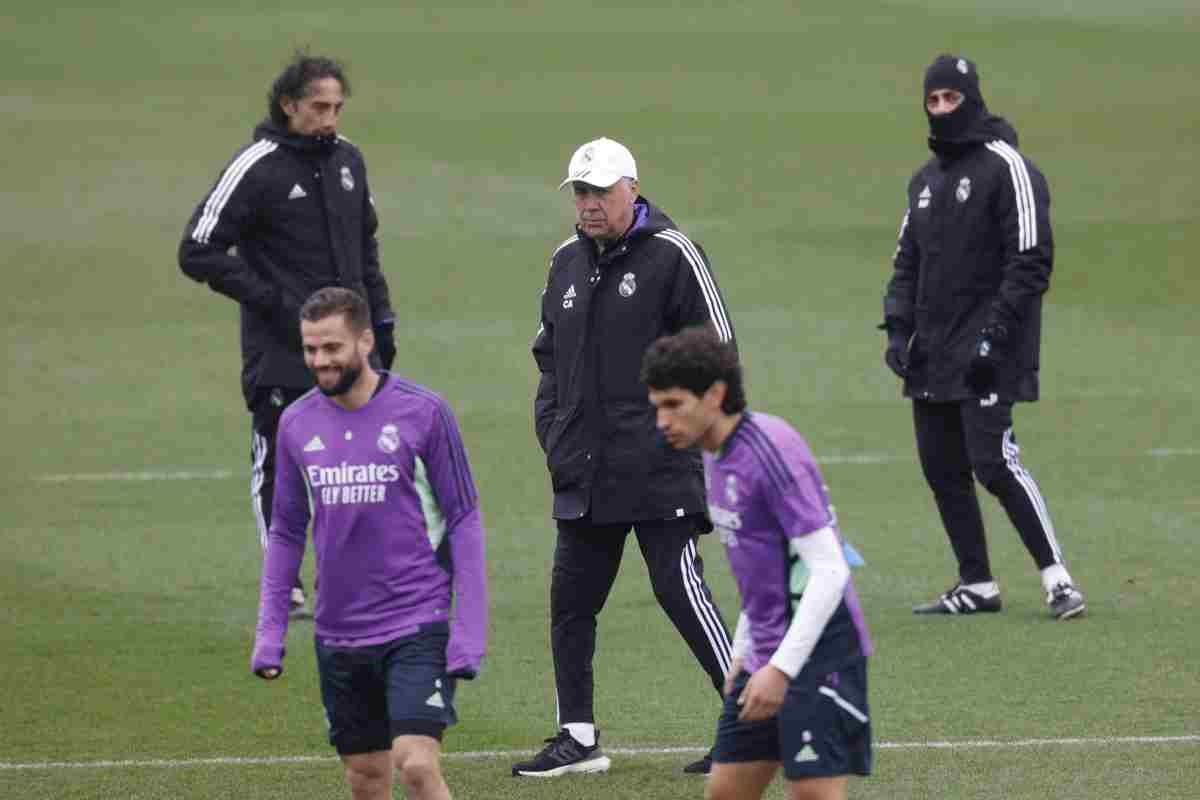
pixel 600 764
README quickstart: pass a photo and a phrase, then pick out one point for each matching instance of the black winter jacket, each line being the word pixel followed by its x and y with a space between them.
pixel 592 416
pixel 975 250
pixel 285 218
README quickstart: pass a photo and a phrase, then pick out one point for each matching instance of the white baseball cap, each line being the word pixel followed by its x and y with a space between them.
pixel 601 162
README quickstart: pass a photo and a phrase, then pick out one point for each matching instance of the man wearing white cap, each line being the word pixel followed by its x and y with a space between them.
pixel 626 277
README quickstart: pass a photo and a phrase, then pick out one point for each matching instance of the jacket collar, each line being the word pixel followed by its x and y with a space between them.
pixel 310 145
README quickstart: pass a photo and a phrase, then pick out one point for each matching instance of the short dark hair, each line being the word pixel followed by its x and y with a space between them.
pixel 694 359
pixel 293 82
pixel 337 300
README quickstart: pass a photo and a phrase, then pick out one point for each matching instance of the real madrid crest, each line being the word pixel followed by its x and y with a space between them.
pixel 628 285
pixel 964 190
pixel 347 179
pixel 389 439
pixel 731 490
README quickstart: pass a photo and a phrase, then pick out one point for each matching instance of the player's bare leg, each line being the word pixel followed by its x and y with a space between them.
pixel 743 780
pixel 369 775
pixel 418 761
pixel 832 788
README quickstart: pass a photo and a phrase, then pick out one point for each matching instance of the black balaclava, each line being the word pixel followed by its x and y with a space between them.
pixel 954 72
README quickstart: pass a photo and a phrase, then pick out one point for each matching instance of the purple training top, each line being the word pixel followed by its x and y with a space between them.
pixel 764 488
pixel 396 524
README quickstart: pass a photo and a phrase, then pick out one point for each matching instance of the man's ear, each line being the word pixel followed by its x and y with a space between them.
pixel 714 396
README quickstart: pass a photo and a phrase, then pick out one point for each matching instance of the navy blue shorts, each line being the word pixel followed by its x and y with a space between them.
pixel 399 688
pixel 823 728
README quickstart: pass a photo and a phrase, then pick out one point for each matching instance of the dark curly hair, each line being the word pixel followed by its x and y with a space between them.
pixel 294 81
pixel 694 359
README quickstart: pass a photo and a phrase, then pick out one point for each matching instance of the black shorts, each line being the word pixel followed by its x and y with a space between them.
pixel 822 730
pixel 399 688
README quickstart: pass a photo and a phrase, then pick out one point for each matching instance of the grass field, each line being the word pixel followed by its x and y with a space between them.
pixel 778 135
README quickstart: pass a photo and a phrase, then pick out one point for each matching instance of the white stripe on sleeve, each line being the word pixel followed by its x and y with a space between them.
pixel 561 246
pixel 716 310
pixel 1027 234
pixel 900 236
pixel 229 180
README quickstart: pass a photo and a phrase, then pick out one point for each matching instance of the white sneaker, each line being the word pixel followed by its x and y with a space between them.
pixel 298 606
pixel 1065 601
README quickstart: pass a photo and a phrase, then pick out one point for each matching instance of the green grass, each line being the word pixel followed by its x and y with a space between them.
pixel 778 135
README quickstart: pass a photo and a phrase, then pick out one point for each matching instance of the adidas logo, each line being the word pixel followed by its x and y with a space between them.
pixel 569 297
pixel 435 700
pixel 806 754
pixel 297 192
pixel 314 444
pixel 924 197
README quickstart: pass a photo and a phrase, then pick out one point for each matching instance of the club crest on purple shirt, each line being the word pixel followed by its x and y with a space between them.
pixel 389 439
pixel 731 489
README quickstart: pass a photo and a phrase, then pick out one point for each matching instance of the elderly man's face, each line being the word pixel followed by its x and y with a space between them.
pixel 605 214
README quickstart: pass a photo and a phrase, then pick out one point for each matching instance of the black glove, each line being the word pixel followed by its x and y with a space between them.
pixel 896 355
pixel 385 343
pixel 986 356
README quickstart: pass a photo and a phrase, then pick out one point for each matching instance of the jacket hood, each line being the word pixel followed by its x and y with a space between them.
pixel 305 144
pixel 655 219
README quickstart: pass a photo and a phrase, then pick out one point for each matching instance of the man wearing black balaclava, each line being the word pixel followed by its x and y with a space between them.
pixel 962 314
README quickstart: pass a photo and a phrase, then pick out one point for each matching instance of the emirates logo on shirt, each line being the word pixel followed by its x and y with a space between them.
pixel 351 484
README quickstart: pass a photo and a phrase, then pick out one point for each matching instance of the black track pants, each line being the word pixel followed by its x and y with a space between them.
pixel 586 560
pixel 958 442
pixel 268 408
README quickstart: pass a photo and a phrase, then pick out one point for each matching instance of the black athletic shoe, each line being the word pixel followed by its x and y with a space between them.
pixel 1065 601
pixel 700 767
pixel 561 755
pixel 960 600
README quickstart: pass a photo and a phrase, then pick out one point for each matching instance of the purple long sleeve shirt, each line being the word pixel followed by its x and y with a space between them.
pixel 397 531
pixel 764 488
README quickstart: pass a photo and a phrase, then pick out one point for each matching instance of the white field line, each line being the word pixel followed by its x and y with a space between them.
pixel 967 744
pixel 148 475
pixel 216 474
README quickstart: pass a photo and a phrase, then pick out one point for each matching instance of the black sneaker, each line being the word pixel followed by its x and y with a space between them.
pixel 701 767
pixel 960 600
pixel 1065 601
pixel 563 754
